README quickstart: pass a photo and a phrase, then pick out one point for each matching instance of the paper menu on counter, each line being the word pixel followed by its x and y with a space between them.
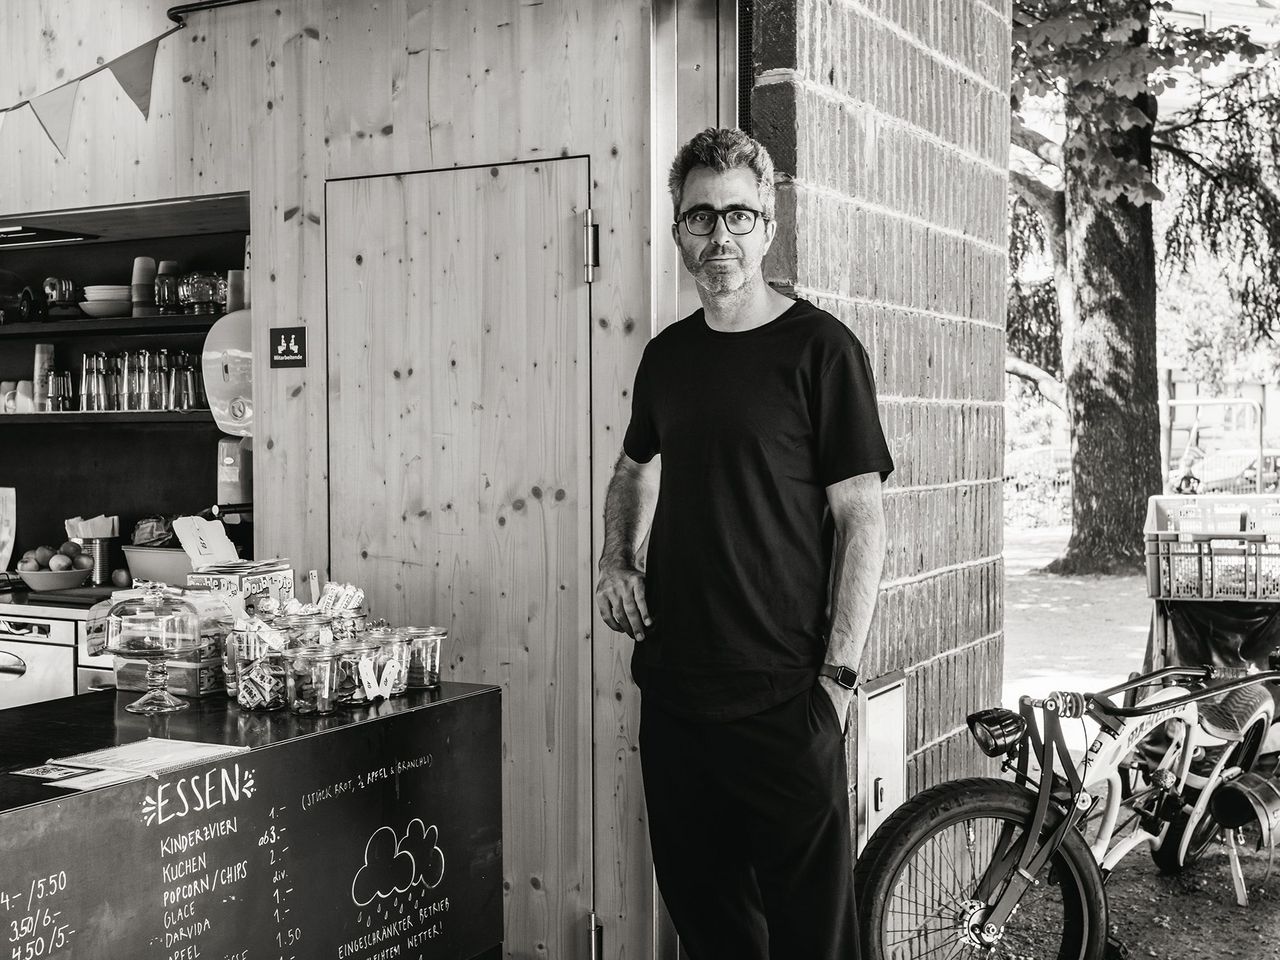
pixel 8 523
pixel 92 779
pixel 150 757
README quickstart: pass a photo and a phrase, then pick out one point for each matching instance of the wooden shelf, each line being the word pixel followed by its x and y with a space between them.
pixel 110 416
pixel 71 328
pixel 180 216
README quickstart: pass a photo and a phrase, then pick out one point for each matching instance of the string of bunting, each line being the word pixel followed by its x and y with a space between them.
pixel 132 70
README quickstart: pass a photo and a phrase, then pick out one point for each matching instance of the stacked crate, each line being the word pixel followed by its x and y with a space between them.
pixel 1213 547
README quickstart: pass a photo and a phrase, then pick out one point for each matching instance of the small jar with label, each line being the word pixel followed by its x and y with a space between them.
pixel 393 661
pixel 307 628
pixel 311 678
pixel 424 655
pixel 358 672
pixel 260 667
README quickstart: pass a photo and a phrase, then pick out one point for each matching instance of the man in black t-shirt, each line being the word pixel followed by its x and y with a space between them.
pixel 753 463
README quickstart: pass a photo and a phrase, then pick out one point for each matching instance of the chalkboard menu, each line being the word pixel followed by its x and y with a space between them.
pixel 365 841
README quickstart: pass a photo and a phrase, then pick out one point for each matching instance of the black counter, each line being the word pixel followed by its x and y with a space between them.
pixel 348 835
pixel 39 732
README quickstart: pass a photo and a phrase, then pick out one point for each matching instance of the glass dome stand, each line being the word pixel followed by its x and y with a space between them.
pixel 157 699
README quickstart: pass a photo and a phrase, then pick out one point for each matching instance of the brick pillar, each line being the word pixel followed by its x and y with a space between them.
pixel 889 124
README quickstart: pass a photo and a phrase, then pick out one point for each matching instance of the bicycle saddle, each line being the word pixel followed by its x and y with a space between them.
pixel 1228 718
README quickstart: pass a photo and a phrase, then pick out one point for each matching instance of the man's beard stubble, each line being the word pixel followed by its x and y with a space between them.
pixel 714 281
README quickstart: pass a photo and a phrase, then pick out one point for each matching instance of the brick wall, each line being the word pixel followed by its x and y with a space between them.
pixel 888 121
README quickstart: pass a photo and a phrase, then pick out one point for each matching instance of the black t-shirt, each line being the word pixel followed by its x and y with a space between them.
pixel 752 427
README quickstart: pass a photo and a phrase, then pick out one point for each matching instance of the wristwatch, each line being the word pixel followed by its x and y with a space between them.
pixel 844 676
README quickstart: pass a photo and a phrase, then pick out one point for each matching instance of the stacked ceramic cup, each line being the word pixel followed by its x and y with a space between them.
pixel 143 287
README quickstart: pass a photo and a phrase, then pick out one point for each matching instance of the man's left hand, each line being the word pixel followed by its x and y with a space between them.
pixel 841 699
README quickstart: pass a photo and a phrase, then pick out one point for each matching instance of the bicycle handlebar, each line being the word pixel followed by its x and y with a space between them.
pixel 1072 705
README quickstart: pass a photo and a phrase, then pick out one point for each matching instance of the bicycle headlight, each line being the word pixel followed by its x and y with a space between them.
pixel 997 730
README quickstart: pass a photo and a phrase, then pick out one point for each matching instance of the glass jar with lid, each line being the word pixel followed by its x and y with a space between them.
pixel 216 619
pixel 348 623
pixel 393 660
pixel 311 680
pixel 424 655
pixel 155 627
pixel 358 671
pixel 306 628
pixel 260 667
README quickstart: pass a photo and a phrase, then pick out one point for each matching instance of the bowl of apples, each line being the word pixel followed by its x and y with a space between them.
pixel 47 568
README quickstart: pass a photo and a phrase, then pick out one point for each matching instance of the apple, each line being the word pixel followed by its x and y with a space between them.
pixel 28 566
pixel 44 554
pixel 29 555
pixel 70 549
pixel 121 578
pixel 82 561
pixel 59 562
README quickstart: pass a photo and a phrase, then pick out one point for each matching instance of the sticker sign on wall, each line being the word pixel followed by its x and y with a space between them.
pixel 288 346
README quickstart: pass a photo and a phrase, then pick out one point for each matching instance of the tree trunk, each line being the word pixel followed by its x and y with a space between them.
pixel 1109 366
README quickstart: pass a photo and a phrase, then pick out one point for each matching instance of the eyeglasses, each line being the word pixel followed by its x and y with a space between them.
pixel 738 221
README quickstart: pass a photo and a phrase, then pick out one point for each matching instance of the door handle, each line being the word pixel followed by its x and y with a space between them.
pixel 11 666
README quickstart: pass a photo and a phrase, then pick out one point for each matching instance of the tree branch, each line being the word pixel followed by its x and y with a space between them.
pixel 1051 389
pixel 1033 141
pixel 1186 156
pixel 1046 201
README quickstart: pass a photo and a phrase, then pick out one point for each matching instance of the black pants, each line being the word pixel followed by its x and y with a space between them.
pixel 749 824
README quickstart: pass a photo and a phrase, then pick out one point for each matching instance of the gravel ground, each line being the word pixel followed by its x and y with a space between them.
pixel 1194 914
pixel 1086 633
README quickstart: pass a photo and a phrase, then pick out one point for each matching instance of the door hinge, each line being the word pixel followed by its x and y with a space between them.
pixel 596 933
pixel 590 245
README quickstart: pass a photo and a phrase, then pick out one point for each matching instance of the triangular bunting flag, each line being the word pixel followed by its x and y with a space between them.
pixel 133 71
pixel 53 110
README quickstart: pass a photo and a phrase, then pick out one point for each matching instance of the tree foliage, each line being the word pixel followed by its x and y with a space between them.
pixel 1082 54
pixel 1219 161
pixel 1216 161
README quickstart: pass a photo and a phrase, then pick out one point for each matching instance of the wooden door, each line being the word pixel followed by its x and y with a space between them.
pixel 459 493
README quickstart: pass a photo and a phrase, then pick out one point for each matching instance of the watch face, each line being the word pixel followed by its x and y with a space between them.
pixel 846 678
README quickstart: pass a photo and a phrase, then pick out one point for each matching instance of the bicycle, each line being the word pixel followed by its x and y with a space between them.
pixel 1000 868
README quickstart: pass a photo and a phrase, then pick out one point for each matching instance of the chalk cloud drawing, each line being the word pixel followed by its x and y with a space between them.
pixel 394 864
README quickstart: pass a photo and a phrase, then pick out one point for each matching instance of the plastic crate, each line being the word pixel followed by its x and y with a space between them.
pixel 1264 563
pixel 1229 570
pixel 1212 569
pixel 1223 547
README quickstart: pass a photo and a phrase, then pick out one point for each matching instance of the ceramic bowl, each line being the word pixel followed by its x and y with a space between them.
pixel 40 580
pixel 107 308
pixel 108 291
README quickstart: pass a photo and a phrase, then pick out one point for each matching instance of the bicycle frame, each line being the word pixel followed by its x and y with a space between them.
pixel 1017 863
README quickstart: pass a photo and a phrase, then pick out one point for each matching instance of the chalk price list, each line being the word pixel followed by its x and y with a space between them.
pixel 33 927
pixel 288 935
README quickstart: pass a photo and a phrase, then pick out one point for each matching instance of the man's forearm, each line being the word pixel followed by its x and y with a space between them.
pixel 855 584
pixel 628 510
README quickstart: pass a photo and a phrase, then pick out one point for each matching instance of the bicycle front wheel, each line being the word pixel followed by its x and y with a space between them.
pixel 917 882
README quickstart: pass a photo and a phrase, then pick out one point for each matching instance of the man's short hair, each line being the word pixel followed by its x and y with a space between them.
pixel 725 148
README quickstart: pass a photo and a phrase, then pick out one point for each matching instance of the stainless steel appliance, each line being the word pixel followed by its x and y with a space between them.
pixel 37 659
pixel 43 647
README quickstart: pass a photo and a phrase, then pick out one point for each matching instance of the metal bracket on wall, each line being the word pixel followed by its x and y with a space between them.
pixel 596 931
pixel 590 245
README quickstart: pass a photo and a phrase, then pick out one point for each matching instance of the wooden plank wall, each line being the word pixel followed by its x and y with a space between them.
pixel 276 97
